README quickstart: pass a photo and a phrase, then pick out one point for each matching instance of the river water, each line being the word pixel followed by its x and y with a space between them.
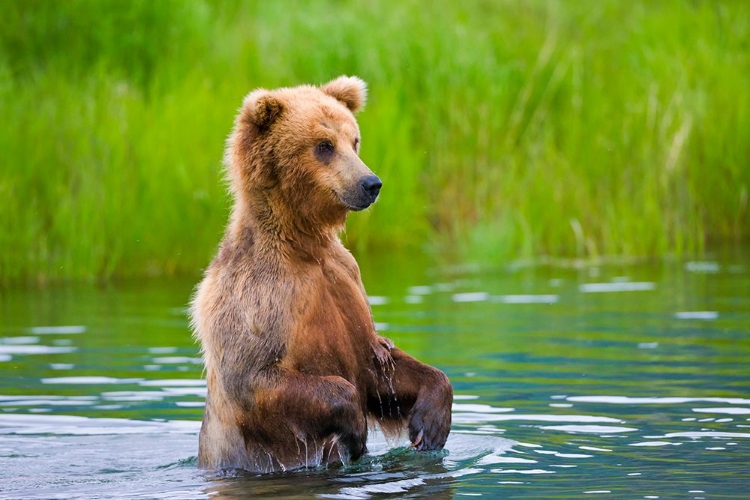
pixel 620 380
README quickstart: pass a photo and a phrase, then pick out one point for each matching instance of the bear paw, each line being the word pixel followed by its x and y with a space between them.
pixel 382 352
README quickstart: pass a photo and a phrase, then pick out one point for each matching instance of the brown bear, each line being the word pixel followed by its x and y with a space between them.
pixel 294 366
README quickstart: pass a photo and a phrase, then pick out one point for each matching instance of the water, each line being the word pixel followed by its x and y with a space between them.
pixel 616 381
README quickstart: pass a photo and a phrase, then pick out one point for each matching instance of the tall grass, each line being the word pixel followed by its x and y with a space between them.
pixel 500 129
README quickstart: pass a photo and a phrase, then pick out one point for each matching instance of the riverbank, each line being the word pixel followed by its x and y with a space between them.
pixel 500 130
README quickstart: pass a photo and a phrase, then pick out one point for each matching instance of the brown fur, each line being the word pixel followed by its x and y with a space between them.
pixel 294 365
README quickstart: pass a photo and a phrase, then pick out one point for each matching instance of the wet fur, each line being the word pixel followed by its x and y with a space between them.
pixel 294 365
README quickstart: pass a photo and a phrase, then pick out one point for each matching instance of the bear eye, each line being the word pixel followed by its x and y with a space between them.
pixel 356 144
pixel 324 151
pixel 324 148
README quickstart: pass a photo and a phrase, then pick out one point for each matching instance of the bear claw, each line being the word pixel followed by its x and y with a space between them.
pixel 418 440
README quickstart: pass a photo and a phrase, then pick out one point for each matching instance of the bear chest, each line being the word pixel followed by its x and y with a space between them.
pixel 333 332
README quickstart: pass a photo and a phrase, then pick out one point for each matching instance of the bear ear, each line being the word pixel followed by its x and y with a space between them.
pixel 350 90
pixel 261 108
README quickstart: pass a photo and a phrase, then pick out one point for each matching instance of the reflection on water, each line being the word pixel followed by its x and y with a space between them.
pixel 618 381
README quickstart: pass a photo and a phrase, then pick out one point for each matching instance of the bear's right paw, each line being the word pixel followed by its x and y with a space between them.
pixel 429 429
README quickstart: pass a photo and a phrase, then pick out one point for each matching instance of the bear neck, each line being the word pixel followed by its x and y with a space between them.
pixel 270 227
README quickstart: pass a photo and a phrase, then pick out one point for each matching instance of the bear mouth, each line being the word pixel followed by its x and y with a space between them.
pixel 357 203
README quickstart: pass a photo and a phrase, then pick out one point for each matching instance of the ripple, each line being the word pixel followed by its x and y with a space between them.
pixel 173 383
pixel 700 434
pixel 471 297
pixel 625 286
pixel 84 426
pixel 19 340
pixel 162 350
pixel 90 380
pixel 122 396
pixel 525 299
pixel 465 397
pixel 185 391
pixel 35 349
pixel 704 315
pixel 665 400
pixel 58 330
pixel 590 429
pixel 464 447
pixel 36 401
pixel 472 417
pixel 731 411
pixel 654 443
pixel 593 448
pixel 401 486
pixel 563 455
pixel 648 345
pixel 520 471
pixel 166 360
pixel 471 407
pixel 376 300
pixel 708 267
pixel 495 459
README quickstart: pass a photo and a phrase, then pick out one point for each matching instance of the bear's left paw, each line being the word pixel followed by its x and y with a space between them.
pixel 430 418
pixel 428 428
pixel 382 352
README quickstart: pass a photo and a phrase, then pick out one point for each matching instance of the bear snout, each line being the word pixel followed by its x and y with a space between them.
pixel 362 193
pixel 371 187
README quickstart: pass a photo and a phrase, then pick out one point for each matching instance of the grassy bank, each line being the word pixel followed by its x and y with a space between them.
pixel 500 129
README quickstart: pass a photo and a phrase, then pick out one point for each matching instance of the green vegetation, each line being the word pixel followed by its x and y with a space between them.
pixel 501 129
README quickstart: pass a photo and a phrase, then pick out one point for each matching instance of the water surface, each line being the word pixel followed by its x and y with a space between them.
pixel 612 381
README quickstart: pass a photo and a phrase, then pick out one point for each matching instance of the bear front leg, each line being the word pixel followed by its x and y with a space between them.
pixel 303 420
pixel 413 393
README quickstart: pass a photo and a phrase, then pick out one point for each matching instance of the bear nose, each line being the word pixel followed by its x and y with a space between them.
pixel 371 186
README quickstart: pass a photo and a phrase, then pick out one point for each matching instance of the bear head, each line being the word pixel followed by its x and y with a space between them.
pixel 295 152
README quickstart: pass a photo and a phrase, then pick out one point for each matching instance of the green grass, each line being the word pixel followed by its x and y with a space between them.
pixel 501 129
